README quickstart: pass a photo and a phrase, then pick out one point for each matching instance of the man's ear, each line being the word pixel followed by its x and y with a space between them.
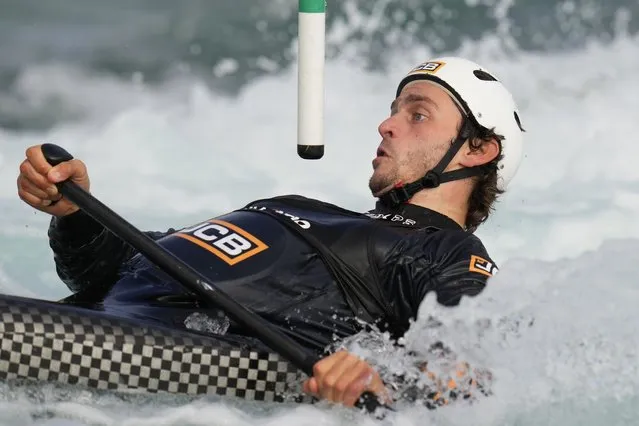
pixel 487 152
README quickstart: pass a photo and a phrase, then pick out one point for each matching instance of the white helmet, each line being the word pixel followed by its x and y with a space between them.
pixel 486 101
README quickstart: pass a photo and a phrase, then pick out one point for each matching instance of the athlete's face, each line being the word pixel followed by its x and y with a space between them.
pixel 423 122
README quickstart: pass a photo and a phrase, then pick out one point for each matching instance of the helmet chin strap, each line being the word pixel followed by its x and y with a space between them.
pixel 433 178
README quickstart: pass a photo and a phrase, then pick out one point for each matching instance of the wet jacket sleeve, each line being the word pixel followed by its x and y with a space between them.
pixel 452 264
pixel 85 253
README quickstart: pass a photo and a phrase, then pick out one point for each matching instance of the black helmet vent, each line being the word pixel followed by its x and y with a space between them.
pixel 518 121
pixel 483 75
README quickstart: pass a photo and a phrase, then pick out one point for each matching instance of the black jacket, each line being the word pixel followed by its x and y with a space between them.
pixel 313 269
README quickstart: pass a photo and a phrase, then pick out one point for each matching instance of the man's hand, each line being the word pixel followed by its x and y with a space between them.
pixel 37 179
pixel 342 377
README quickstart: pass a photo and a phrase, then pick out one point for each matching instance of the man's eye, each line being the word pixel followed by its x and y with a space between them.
pixel 419 116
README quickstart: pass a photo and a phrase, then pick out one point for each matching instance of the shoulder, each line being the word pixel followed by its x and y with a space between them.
pixel 445 248
pixel 302 202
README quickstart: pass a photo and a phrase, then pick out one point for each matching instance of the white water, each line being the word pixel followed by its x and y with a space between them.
pixel 566 236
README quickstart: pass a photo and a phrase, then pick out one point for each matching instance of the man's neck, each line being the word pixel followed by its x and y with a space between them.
pixel 449 199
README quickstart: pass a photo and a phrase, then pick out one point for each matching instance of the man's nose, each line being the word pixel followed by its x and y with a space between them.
pixel 387 128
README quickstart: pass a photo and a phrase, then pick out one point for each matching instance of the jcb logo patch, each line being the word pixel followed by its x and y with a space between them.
pixel 482 266
pixel 428 67
pixel 230 243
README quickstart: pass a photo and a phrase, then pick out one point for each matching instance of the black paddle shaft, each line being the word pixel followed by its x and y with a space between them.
pixel 187 276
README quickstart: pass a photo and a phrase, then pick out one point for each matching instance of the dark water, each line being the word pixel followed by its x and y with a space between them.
pixel 153 40
pixel 160 37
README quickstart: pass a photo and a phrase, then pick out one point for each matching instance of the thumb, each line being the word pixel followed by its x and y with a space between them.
pixel 72 169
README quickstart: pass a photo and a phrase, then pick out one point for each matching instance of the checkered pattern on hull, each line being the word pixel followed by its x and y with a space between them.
pixel 42 341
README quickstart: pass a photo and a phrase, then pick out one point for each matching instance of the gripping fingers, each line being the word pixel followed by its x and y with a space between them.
pixel 311 386
pixel 327 371
pixel 38 180
pixel 35 197
pixel 349 379
pixel 360 380
pixel 342 378
pixel 335 382
pixel 35 157
pixel 32 200
pixel 25 186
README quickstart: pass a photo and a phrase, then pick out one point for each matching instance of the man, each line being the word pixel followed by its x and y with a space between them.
pixel 312 269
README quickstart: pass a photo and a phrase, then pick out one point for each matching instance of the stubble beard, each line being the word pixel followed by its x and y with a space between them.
pixel 414 164
pixel 383 179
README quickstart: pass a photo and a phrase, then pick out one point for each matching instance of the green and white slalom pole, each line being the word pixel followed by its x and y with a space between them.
pixel 310 78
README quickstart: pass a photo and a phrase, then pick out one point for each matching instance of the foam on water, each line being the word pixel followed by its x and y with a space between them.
pixel 173 154
pixel 558 337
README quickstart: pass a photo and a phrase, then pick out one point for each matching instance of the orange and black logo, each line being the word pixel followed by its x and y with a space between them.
pixel 482 266
pixel 229 242
pixel 430 67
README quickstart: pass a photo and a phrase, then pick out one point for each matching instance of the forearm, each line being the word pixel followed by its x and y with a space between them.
pixel 85 253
